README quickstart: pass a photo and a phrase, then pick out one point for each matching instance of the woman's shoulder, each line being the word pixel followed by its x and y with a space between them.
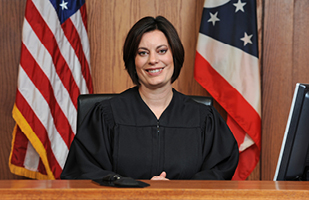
pixel 191 101
pixel 126 107
pixel 116 98
pixel 125 96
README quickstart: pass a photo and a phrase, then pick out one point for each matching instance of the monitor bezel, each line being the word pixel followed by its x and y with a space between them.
pixel 300 91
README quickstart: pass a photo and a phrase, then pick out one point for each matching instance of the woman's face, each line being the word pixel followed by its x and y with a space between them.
pixel 154 60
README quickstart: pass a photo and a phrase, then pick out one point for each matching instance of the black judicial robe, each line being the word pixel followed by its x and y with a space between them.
pixel 123 136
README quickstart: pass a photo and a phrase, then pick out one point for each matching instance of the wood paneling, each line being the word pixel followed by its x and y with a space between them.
pixel 285 62
pixel 11 19
pixel 276 79
pixel 283 25
pixel 108 24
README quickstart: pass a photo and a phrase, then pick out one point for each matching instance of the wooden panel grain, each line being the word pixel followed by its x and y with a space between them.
pixel 108 24
pixel 11 19
pixel 300 43
pixel 277 80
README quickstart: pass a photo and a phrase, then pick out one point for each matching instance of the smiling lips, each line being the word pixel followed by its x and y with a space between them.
pixel 154 71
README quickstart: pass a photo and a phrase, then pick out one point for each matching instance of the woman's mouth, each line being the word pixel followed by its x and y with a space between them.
pixel 154 70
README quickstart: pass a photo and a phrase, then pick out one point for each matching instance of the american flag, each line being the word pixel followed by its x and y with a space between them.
pixel 54 69
pixel 227 66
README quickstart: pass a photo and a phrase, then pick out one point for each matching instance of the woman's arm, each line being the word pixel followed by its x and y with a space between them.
pixel 90 155
pixel 220 149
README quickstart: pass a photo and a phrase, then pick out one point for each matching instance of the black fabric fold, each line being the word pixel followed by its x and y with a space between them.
pixel 120 181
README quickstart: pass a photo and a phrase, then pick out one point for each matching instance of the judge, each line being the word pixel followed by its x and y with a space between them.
pixel 152 131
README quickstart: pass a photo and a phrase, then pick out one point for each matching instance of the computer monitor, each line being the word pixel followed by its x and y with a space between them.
pixel 293 162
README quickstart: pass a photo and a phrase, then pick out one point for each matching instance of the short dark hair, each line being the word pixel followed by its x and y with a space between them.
pixel 148 24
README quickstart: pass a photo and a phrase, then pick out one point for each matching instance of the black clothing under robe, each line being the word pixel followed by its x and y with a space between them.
pixel 123 136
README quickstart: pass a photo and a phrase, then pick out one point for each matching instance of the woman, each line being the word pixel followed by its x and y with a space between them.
pixel 151 131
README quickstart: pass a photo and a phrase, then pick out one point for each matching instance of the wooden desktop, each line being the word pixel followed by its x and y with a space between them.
pixel 175 189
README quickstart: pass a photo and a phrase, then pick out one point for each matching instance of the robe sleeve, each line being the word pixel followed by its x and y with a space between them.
pixel 90 155
pixel 220 149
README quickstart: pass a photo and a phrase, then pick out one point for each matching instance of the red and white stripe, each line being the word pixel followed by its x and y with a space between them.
pixel 232 77
pixel 54 69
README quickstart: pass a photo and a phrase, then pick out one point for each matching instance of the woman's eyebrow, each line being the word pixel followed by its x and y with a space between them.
pixel 162 45
pixel 143 48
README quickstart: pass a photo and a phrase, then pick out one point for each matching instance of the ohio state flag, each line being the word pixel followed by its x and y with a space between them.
pixel 227 66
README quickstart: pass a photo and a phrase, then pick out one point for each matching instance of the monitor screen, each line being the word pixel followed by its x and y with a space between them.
pixel 293 162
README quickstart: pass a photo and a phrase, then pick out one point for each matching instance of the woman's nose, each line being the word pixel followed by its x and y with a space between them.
pixel 153 58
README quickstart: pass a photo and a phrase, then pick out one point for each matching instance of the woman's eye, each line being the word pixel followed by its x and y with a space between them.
pixel 162 51
pixel 142 53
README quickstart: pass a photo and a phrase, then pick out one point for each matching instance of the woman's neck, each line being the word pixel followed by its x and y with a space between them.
pixel 157 99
